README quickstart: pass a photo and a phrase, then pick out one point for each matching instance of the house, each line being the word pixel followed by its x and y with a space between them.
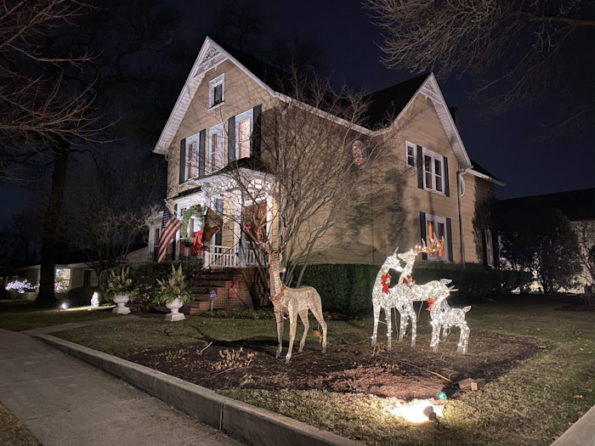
pixel 578 206
pixel 217 120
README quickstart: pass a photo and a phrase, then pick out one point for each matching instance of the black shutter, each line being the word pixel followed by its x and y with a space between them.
pixel 173 241
pixel 231 139
pixel 201 153
pixel 422 227
pixel 449 238
pixel 256 132
pixel 484 250
pixel 420 168
pixel 446 185
pixel 182 160
pixel 219 211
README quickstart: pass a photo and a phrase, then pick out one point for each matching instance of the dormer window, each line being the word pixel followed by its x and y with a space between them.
pixel 216 91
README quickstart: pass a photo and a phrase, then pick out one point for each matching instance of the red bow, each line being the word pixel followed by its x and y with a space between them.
pixel 197 243
pixel 408 280
pixel 386 282
pixel 430 303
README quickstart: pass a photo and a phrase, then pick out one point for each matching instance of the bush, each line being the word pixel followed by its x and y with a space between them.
pixel 240 314
pixel 80 297
pixel 347 289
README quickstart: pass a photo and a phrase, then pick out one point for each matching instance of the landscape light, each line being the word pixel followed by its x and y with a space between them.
pixel 415 411
pixel 64 305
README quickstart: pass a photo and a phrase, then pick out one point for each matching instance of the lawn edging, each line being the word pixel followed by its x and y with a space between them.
pixel 240 420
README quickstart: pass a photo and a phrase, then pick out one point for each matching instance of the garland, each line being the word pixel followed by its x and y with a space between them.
pixel 193 211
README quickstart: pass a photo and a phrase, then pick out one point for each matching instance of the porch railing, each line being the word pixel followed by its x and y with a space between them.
pixel 231 257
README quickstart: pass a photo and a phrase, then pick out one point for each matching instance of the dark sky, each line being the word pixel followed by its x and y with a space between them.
pixel 512 146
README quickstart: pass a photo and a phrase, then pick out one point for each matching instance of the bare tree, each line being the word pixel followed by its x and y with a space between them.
pixel 522 48
pixel 286 199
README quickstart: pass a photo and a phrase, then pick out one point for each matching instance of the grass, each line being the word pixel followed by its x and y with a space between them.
pixel 13 431
pixel 18 318
pixel 532 404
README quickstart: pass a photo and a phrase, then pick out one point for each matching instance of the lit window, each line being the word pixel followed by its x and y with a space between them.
pixel 62 280
pixel 243 134
pixel 410 154
pixel 216 149
pixel 433 171
pixel 436 228
pixel 216 91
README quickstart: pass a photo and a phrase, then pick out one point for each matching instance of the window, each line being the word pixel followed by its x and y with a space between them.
pixel 433 171
pixel 216 91
pixel 243 134
pixel 410 154
pixel 62 280
pixel 436 227
pixel 216 149
pixel 255 223
pixel 191 158
pixel 489 247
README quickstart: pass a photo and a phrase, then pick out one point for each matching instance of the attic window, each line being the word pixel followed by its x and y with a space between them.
pixel 410 154
pixel 216 91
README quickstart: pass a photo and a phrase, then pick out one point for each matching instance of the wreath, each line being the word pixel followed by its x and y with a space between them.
pixel 193 211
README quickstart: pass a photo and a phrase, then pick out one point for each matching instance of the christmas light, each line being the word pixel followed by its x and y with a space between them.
pixel 20 287
pixel 443 317
pixel 417 411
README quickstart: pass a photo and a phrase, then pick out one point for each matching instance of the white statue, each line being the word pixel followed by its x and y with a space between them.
pixel 442 317
pixel 294 302
pixel 95 300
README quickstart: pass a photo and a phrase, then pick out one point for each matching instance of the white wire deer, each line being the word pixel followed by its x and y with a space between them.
pixel 443 317
pixel 293 302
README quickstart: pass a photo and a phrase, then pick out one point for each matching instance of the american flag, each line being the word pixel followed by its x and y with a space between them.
pixel 170 225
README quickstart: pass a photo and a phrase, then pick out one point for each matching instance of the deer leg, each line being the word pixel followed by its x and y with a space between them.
pixel 376 317
pixel 292 328
pixel 389 327
pixel 317 312
pixel 404 323
pixel 279 318
pixel 435 336
pixel 306 322
pixel 413 318
pixel 463 338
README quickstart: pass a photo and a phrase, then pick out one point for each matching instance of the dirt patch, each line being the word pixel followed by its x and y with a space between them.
pixel 352 367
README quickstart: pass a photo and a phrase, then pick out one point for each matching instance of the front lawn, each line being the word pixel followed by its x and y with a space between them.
pixel 533 361
pixel 25 317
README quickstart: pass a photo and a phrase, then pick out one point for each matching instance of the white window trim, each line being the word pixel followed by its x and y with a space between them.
pixel 219 80
pixel 220 131
pixel 414 146
pixel 438 219
pixel 239 118
pixel 434 156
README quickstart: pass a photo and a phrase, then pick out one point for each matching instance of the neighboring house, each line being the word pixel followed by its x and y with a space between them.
pixel 67 276
pixel 216 120
pixel 578 206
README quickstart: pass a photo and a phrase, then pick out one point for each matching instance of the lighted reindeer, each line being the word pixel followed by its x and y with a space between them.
pixel 407 291
pixel 443 317
pixel 382 297
pixel 293 302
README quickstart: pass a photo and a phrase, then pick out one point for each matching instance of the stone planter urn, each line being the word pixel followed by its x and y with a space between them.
pixel 174 308
pixel 121 301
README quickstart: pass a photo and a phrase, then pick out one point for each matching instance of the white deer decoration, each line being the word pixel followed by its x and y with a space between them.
pixel 382 298
pixel 443 317
pixel 293 302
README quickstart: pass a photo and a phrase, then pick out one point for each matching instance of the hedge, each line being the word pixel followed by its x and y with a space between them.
pixel 80 297
pixel 347 288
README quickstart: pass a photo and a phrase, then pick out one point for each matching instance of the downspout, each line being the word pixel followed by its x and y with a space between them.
pixel 460 174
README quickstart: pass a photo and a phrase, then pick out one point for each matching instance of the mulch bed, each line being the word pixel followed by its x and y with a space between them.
pixel 353 367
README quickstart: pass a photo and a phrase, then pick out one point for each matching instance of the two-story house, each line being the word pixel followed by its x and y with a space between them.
pixel 217 121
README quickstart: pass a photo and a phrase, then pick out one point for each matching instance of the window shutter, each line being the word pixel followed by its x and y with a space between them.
pixel 173 242
pixel 446 185
pixel 422 227
pixel 231 139
pixel 449 238
pixel 182 160
pixel 420 169
pixel 496 248
pixel 256 132
pixel 219 211
pixel 201 153
pixel 484 254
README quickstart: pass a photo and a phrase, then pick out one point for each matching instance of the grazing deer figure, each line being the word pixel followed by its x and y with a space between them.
pixel 443 317
pixel 293 302
pixel 382 298
pixel 407 292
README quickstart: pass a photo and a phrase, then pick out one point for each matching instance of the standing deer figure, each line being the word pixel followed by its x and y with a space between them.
pixel 382 298
pixel 443 317
pixel 293 302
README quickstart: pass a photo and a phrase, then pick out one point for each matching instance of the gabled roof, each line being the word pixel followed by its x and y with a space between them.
pixel 577 205
pixel 394 100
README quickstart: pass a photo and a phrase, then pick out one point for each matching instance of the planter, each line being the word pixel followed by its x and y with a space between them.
pixel 174 314
pixel 121 302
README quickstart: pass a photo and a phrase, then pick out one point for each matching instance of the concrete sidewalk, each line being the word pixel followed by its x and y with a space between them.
pixel 65 401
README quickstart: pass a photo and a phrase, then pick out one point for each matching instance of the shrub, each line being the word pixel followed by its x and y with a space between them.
pixel 172 288
pixel 80 297
pixel 240 314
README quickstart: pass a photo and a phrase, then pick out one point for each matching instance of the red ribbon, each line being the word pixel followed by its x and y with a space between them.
pixel 408 280
pixel 386 282
pixel 430 303
pixel 197 243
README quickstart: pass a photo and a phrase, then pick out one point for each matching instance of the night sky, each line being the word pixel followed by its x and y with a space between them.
pixel 513 146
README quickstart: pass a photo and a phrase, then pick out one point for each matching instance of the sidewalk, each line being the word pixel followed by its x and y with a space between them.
pixel 64 401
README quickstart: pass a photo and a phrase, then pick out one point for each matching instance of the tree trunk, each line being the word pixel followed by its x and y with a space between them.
pixel 46 296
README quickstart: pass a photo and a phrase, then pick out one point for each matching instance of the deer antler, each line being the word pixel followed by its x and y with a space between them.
pixel 431 247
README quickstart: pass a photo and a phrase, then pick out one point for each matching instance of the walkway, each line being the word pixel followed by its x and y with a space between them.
pixel 64 401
